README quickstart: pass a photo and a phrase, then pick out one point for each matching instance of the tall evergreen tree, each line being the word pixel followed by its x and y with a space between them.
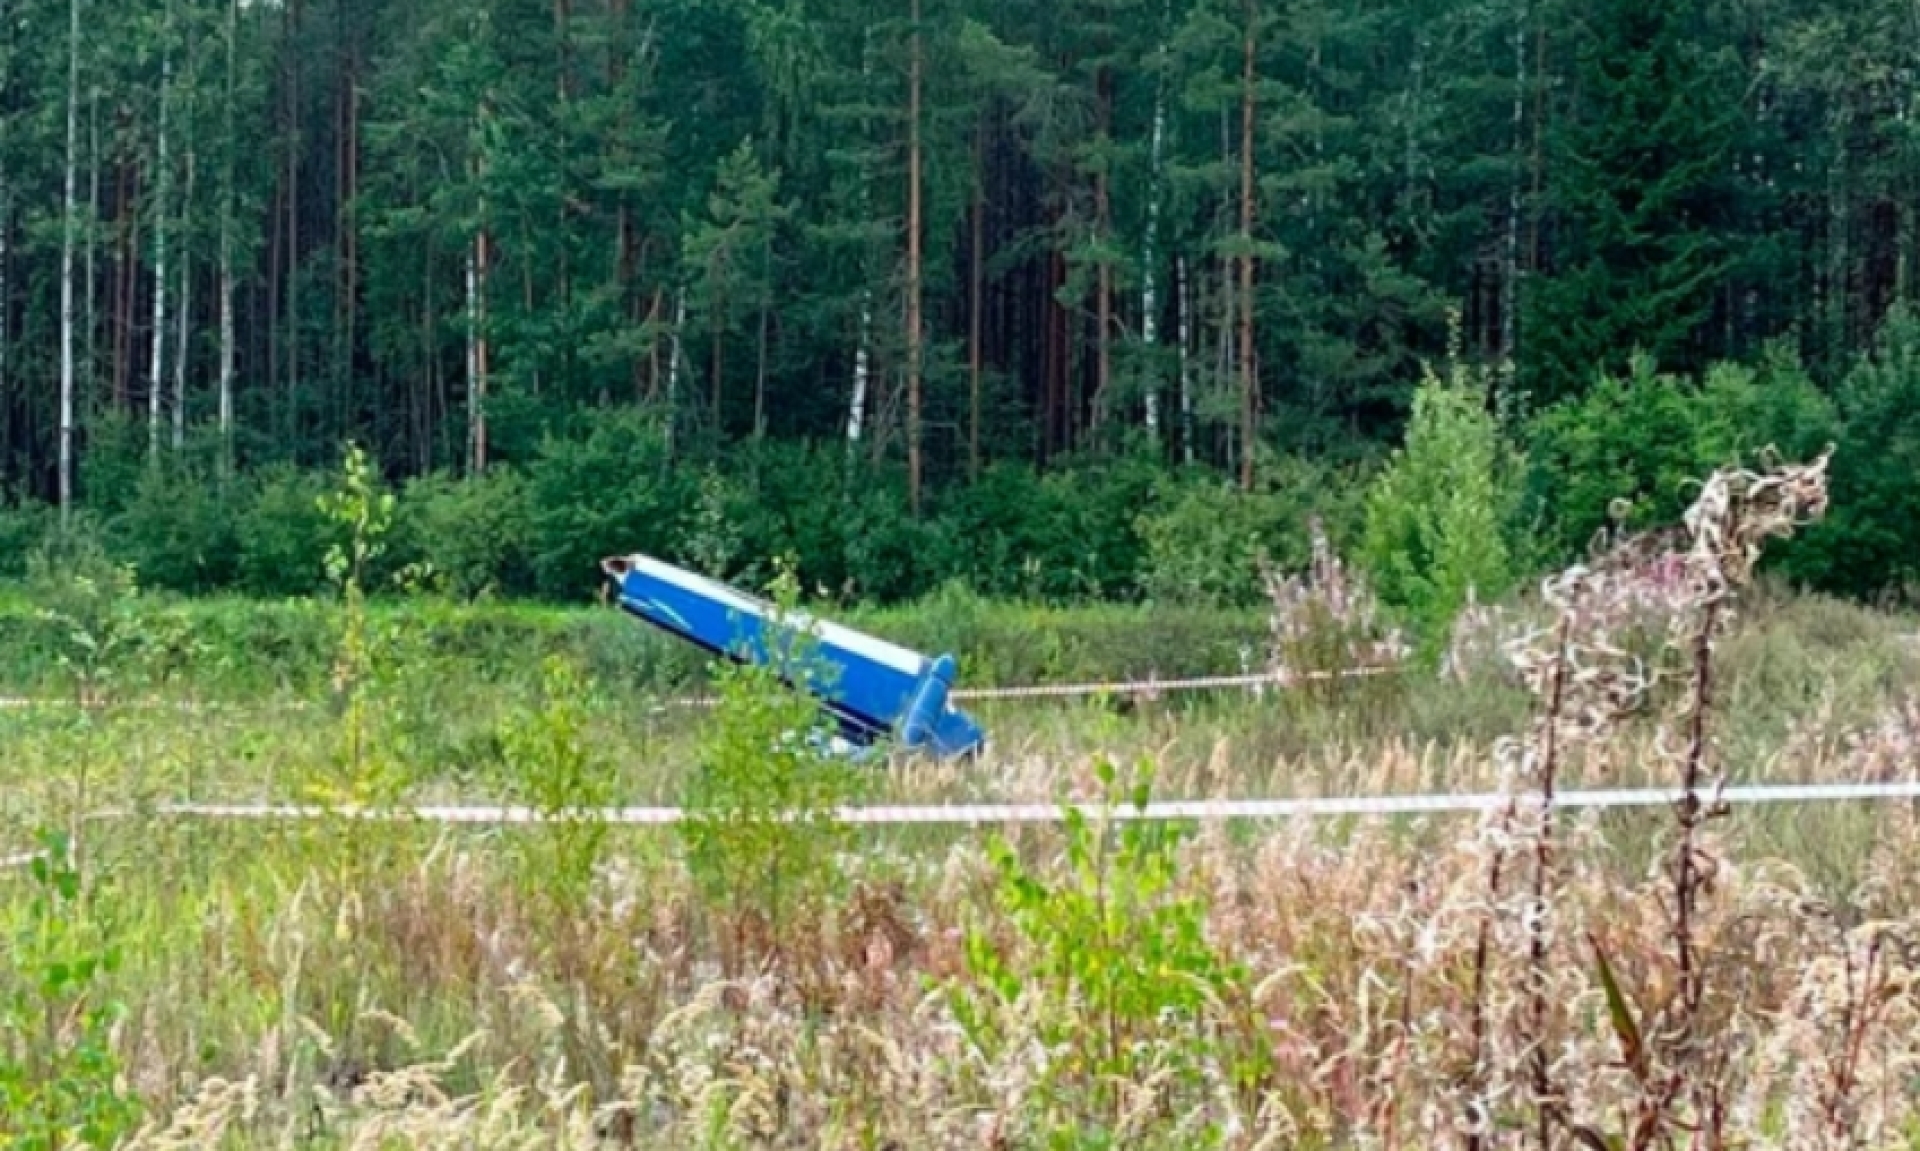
pixel 1638 241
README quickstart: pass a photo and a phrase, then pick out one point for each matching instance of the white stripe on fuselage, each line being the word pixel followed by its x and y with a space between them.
pixel 865 646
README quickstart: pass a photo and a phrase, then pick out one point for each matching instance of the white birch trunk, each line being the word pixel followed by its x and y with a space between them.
pixel 66 264
pixel 226 347
pixel 155 377
pixel 1183 305
pixel 1150 264
pixel 857 408
pixel 226 253
pixel 474 414
pixel 673 365
pixel 857 405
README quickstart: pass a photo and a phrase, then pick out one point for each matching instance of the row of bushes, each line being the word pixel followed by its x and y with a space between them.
pixel 232 645
pixel 1118 527
pixel 1106 529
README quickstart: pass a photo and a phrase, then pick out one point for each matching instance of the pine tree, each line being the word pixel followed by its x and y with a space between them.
pixel 1639 201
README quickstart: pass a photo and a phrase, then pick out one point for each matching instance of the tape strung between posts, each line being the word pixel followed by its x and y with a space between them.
pixel 976 814
pixel 1147 688
pixel 1201 809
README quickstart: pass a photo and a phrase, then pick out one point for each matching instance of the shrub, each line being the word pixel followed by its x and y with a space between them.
pixel 1442 522
pixel 22 529
pixel 471 532
pixel 178 529
pixel 284 536
pixel 761 831
pixel 62 1082
pixel 1205 542
pixel 1870 542
pixel 615 491
pixel 1110 967
pixel 1636 443
pixel 556 770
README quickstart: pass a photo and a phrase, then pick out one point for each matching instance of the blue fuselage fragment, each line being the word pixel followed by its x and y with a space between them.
pixel 873 689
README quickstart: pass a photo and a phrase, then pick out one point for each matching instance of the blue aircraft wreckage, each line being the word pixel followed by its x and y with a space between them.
pixel 876 692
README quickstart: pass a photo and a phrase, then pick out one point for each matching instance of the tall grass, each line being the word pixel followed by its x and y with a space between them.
pixel 1543 978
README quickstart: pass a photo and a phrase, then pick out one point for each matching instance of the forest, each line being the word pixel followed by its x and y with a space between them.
pixel 1051 298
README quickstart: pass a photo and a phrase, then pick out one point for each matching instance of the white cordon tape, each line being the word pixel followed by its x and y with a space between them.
pixel 1143 688
pixel 990 813
pixel 976 814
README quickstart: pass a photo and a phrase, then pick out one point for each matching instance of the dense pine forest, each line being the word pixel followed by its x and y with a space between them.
pixel 1080 297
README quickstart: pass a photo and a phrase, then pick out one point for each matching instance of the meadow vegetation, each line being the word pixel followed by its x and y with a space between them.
pixel 1532 978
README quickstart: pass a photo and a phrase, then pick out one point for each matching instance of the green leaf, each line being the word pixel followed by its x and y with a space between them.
pixel 1619 1010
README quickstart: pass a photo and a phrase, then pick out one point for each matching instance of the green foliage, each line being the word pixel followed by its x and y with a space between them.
pixel 1443 521
pixel 1104 962
pixel 364 514
pixel 284 535
pixel 1204 541
pixel 1069 534
pixel 608 493
pixel 556 771
pixel 91 605
pixel 469 533
pixel 23 527
pixel 178 529
pixel 1637 444
pixel 1641 195
pixel 1870 540
pixel 60 1079
pixel 761 831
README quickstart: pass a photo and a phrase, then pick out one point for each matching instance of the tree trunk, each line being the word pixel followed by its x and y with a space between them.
pixel 975 282
pixel 185 308
pixel 66 264
pixel 291 264
pixel 127 186
pixel 155 377
pixel 673 365
pixel 760 368
pixel 1183 308
pixel 1103 305
pixel 716 364
pixel 477 386
pixel 1249 400
pixel 1510 257
pixel 857 406
pixel 90 320
pixel 227 195
pixel 914 464
pixel 1150 259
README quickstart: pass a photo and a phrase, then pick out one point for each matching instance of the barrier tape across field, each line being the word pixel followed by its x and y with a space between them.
pixel 1144 688
pixel 976 814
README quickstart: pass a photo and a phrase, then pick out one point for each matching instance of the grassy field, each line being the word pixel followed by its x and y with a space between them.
pixel 1414 982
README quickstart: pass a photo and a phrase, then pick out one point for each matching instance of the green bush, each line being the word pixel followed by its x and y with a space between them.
pixel 1648 437
pixel 1443 521
pixel 178 530
pixel 1870 540
pixel 283 535
pixel 761 833
pixel 1203 540
pixel 23 527
pixel 471 532
pixel 613 492
pixel 1066 535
